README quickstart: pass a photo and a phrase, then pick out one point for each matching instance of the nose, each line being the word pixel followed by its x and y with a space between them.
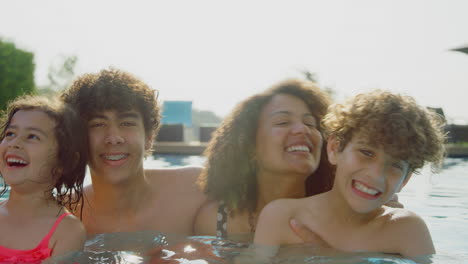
pixel 15 143
pixel 377 171
pixel 300 128
pixel 113 137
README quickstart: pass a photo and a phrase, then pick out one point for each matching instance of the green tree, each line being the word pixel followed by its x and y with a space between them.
pixel 16 72
pixel 60 76
pixel 310 76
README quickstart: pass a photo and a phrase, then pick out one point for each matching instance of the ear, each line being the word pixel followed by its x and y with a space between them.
pixel 149 142
pixel 333 146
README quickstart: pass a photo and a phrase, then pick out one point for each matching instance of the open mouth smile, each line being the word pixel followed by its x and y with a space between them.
pixel 115 157
pixel 365 191
pixel 15 161
pixel 298 148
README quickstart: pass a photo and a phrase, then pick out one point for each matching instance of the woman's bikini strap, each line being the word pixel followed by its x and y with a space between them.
pixel 221 221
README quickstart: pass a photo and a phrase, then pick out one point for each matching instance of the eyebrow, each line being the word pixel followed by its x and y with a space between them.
pixel 122 115
pixel 94 116
pixel 128 115
pixel 35 129
pixel 366 143
pixel 289 113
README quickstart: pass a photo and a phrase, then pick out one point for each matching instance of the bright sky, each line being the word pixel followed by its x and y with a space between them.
pixel 217 53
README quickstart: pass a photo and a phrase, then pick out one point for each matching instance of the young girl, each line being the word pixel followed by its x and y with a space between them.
pixel 42 159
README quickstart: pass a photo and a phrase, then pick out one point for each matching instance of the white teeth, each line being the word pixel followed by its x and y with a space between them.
pixel 298 148
pixel 115 157
pixel 364 189
pixel 13 160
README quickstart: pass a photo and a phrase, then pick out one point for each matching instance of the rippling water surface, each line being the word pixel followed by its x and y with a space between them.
pixel 441 199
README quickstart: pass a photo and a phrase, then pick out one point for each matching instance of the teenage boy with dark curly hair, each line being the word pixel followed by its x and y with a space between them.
pixel 123 115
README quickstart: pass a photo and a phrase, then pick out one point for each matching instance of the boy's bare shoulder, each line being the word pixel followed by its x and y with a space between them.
pixel 399 216
pixel 182 175
pixel 180 182
pixel 184 172
pixel 273 222
pixel 400 221
pixel 407 232
pixel 281 208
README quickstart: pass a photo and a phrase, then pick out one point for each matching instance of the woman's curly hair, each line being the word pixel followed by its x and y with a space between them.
pixel 70 134
pixel 406 130
pixel 114 90
pixel 230 169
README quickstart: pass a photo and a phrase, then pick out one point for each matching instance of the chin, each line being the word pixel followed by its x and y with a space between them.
pixel 306 170
pixel 364 209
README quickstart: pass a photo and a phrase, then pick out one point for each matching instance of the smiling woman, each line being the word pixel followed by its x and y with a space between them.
pixel 268 148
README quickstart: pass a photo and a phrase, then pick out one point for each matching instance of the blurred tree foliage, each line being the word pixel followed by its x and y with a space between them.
pixel 16 72
pixel 60 76
pixel 310 76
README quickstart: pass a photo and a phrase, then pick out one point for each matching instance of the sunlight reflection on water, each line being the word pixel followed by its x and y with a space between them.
pixel 441 199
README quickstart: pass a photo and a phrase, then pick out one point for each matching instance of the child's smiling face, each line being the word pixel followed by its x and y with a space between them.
pixel 366 175
pixel 29 149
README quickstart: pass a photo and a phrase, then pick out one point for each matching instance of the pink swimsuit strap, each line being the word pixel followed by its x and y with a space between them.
pixel 45 241
pixel 35 255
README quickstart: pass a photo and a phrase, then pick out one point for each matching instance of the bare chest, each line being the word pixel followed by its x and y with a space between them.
pixel 161 217
pixel 369 238
pixel 23 234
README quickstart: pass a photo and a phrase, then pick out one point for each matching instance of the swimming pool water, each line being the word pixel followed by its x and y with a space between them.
pixel 441 199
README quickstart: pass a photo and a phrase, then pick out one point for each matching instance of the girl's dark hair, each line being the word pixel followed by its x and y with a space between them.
pixel 230 169
pixel 70 134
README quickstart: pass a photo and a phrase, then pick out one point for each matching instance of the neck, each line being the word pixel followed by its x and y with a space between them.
pixel 273 186
pixel 28 204
pixel 126 195
pixel 340 210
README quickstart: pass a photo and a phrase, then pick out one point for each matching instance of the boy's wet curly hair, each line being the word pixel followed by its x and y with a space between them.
pixel 70 134
pixel 230 169
pixel 114 90
pixel 406 130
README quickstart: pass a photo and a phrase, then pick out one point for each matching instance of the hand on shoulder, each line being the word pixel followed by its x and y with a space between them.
pixel 307 235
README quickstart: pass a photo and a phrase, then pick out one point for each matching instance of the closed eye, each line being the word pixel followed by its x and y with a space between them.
pixel 127 123
pixel 366 152
pixel 97 124
pixel 33 136
pixel 281 123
